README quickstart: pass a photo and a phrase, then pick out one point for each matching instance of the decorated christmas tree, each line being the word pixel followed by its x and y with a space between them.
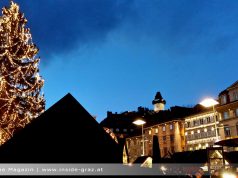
pixel 21 99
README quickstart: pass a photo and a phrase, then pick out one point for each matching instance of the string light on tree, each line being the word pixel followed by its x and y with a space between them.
pixel 21 99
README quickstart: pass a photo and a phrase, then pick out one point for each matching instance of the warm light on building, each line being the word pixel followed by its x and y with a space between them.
pixel 200 130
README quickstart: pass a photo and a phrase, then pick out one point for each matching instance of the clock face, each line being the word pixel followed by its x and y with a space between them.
pixel 158 107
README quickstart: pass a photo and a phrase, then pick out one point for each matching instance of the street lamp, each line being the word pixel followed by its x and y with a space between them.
pixel 141 122
pixel 208 102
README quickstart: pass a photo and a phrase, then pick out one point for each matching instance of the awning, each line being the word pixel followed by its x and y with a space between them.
pixel 232 142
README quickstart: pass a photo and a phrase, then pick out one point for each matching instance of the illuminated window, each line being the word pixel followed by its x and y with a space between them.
pixel 186 133
pixel 149 132
pixel 198 131
pixel 171 126
pixel 212 129
pixel 163 128
pixel 205 130
pixel 156 130
pixel 192 132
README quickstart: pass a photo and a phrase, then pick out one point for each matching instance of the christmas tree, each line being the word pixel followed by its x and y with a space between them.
pixel 21 99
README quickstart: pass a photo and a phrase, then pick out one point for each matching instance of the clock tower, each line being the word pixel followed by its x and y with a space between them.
pixel 158 102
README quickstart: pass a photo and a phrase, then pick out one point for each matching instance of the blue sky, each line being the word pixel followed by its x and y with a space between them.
pixel 114 55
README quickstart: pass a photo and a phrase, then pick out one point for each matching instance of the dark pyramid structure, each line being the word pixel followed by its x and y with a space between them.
pixel 65 133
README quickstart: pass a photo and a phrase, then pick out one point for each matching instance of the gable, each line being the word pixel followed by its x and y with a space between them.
pixel 65 133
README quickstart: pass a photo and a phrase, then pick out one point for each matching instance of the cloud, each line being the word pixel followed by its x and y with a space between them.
pixel 60 26
pixel 186 27
pixel 181 27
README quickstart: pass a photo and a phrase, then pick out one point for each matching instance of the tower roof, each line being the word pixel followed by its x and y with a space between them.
pixel 158 99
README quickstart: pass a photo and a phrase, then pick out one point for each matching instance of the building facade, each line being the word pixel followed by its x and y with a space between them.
pixel 228 110
pixel 200 130
pixel 170 136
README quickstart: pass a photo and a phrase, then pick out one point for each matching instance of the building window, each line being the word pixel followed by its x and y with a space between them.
pixel 204 134
pixel 194 122
pixel 227 131
pixel 236 112
pixel 156 130
pixel 188 124
pixel 132 130
pixel 223 99
pixel 165 150
pixel 164 138
pixel 171 127
pixel 235 96
pixel 117 130
pixel 208 119
pixel 163 128
pixel 201 121
pixel 124 130
pixel 171 138
pixel 225 115
pixel 149 132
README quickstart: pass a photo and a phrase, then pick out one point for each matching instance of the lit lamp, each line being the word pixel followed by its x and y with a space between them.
pixel 208 103
pixel 141 122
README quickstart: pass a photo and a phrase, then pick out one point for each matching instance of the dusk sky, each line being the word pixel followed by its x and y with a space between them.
pixel 114 55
